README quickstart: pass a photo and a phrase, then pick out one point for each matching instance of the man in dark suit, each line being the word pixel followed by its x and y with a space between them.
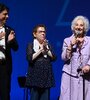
pixel 7 42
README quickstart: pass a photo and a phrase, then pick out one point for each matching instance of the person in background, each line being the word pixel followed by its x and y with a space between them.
pixel 39 54
pixel 7 42
pixel 76 57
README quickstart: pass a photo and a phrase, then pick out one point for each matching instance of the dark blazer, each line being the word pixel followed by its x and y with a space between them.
pixel 9 45
pixel 40 73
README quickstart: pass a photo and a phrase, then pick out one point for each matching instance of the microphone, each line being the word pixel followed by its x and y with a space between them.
pixel 77 33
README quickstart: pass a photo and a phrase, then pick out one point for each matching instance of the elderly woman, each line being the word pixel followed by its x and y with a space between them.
pixel 40 55
pixel 76 57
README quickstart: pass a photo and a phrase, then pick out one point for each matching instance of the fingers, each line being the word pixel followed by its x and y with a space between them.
pixel 12 32
pixel 85 69
pixel 73 41
pixel 80 40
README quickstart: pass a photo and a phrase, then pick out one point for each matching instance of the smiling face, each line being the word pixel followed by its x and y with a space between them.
pixel 3 17
pixel 79 26
pixel 40 34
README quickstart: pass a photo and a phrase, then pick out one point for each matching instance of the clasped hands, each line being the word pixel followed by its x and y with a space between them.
pixel 44 46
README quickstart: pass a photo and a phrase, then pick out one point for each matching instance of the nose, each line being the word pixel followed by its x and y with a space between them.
pixel 79 27
pixel 43 32
pixel 7 16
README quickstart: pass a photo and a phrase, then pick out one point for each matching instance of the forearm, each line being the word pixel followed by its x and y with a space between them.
pixel 36 54
pixel 67 53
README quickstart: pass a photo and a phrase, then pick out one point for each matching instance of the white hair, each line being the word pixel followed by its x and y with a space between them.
pixel 85 21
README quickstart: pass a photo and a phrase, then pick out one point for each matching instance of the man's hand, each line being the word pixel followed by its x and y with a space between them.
pixel 11 36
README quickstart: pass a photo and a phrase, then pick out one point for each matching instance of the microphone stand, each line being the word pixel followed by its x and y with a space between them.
pixel 83 87
pixel 83 76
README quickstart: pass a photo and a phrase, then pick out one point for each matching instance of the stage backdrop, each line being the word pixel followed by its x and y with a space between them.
pixel 57 16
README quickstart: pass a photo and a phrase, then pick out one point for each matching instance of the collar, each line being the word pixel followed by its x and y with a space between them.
pixel 36 45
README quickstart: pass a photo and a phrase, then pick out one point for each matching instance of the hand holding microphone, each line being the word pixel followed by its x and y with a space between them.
pixel 74 39
pixel 77 39
pixel 77 33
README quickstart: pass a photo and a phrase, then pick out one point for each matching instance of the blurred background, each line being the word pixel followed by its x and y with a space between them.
pixel 57 16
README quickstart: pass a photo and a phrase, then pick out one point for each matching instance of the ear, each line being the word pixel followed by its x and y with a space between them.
pixel 34 34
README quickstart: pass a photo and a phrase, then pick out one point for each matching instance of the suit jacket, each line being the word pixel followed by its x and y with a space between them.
pixel 77 60
pixel 9 45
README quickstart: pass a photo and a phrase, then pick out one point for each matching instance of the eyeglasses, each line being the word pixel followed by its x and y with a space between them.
pixel 41 31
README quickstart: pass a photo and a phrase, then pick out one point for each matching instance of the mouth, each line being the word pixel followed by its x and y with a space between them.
pixel 43 36
pixel 78 30
pixel 4 20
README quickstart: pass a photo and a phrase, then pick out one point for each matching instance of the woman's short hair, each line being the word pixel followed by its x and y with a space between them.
pixel 37 26
pixel 85 21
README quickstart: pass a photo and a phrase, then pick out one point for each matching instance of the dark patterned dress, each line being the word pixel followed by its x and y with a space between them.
pixel 40 73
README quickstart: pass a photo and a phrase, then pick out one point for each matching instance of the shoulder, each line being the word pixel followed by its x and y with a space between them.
pixel 8 28
pixel 88 37
pixel 67 39
pixel 30 44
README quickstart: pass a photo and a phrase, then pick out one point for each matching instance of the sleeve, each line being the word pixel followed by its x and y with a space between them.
pixel 29 52
pixel 88 63
pixel 53 58
pixel 88 39
pixel 13 43
pixel 64 53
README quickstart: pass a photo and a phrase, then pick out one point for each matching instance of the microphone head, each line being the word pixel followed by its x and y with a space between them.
pixel 77 33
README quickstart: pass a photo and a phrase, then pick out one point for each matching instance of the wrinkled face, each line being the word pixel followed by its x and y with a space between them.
pixel 3 17
pixel 79 26
pixel 40 34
